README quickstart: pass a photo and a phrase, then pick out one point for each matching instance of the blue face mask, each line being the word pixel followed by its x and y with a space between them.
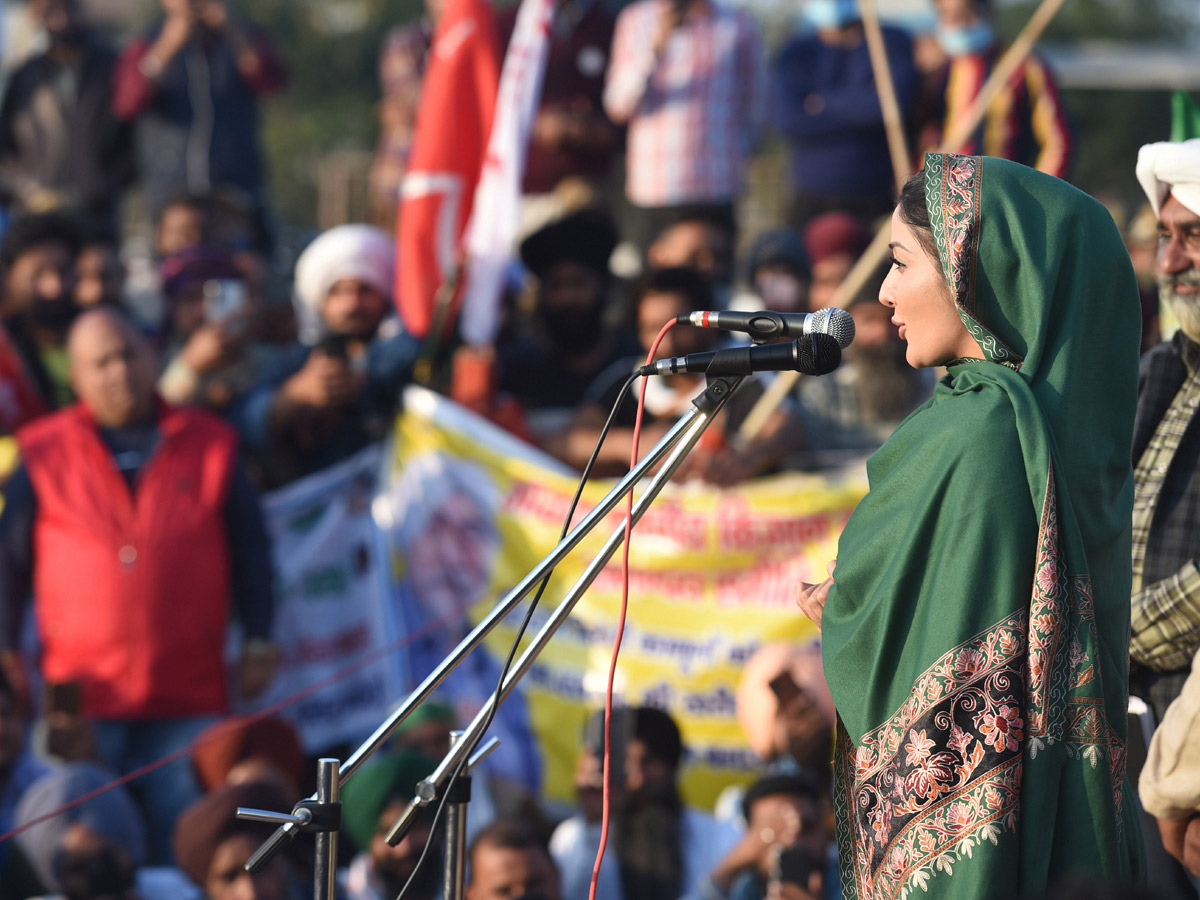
pixel 822 14
pixel 962 39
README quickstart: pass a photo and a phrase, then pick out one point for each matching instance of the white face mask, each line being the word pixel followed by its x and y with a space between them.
pixel 959 40
pixel 822 14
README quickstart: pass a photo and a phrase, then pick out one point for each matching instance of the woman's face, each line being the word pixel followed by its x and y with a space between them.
pixel 916 292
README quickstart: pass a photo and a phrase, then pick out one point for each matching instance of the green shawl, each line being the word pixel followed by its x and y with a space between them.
pixel 975 640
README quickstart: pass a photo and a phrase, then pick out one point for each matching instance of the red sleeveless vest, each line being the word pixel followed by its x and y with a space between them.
pixel 132 590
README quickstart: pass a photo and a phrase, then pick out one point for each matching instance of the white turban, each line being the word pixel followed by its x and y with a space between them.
pixel 1171 167
pixel 362 252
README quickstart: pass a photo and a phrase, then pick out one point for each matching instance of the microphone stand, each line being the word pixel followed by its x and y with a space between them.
pixel 321 813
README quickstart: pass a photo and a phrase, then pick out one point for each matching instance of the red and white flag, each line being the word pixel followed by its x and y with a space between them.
pixel 458 98
pixel 496 214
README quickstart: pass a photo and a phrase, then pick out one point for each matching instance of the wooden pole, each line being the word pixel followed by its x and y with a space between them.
pixel 1012 58
pixel 893 121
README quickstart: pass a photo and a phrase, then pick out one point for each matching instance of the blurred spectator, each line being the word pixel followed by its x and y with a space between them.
pixel 402 59
pixel 18 770
pixel 184 223
pixel 372 801
pixel 548 368
pixel 785 849
pixel 38 257
pixel 659 849
pixel 854 408
pixel 212 846
pixel 250 749
pixel 698 238
pixel 212 355
pixel 1141 240
pixel 92 850
pixel 61 147
pixel 330 397
pixel 719 459
pixel 94 516
pixel 827 106
pixel 835 241
pixel 785 709
pixel 510 860
pixel 1025 121
pixel 1169 784
pixel 777 274
pixel 572 136
pixel 688 79
pixel 191 86
pixel 99 271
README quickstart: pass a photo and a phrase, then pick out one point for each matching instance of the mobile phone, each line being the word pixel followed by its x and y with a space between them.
pixel 63 696
pixel 335 346
pixel 223 297
pixel 793 865
pixel 784 687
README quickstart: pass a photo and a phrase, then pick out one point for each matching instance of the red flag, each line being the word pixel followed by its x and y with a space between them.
pixel 458 97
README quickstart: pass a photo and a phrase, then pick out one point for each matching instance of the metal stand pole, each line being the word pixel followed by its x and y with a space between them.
pixel 668 453
pixel 455 869
pixel 325 860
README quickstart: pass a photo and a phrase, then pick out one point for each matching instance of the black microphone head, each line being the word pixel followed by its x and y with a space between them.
pixel 837 323
pixel 819 354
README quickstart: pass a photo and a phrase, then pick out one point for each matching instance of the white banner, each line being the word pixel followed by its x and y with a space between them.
pixel 331 605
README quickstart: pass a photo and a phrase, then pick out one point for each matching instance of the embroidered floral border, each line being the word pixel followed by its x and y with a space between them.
pixel 953 187
pixel 944 773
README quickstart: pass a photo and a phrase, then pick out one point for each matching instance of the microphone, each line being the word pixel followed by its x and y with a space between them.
pixel 832 321
pixel 817 354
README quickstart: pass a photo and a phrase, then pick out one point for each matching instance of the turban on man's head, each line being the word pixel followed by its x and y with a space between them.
pixel 362 252
pixel 210 821
pixel 378 783
pixel 1171 167
pixel 112 814
pixel 227 743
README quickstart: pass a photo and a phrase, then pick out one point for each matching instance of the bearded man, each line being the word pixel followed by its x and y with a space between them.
pixel 548 369
pixel 660 849
pixel 1165 632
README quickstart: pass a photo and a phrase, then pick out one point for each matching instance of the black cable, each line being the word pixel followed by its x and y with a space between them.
pixel 512 653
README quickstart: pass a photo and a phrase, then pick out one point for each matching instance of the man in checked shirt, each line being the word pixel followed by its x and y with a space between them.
pixel 1165 623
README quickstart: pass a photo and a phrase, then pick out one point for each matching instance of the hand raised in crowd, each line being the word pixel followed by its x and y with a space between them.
pixel 811 597
pixel 177 29
pixel 214 345
pixel 325 382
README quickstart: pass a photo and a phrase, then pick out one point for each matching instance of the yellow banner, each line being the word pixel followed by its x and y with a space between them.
pixel 712 576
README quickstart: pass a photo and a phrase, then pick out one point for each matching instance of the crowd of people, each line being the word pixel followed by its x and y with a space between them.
pixel 151 410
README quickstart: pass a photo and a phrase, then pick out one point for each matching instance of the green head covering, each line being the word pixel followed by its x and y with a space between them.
pixel 975 637
pixel 383 780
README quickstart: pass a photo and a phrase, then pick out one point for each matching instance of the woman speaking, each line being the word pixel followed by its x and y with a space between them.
pixel 975 640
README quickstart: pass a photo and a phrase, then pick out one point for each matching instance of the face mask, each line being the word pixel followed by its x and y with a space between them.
pixel 822 14
pixel 963 39
pixel 780 292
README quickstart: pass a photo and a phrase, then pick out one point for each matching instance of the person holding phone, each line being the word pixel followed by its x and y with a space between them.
pixel 210 356
pixel 337 390
pixel 785 848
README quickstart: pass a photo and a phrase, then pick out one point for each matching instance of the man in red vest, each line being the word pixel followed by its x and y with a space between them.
pixel 135 526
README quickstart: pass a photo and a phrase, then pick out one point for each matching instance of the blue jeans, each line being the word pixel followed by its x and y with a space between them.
pixel 128 744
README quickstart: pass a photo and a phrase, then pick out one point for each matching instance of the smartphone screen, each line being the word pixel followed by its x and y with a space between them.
pixel 223 297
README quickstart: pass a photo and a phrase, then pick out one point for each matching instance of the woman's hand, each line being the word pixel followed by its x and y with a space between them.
pixel 811 597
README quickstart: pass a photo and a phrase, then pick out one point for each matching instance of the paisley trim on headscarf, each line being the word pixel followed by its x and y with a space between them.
pixel 953 187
